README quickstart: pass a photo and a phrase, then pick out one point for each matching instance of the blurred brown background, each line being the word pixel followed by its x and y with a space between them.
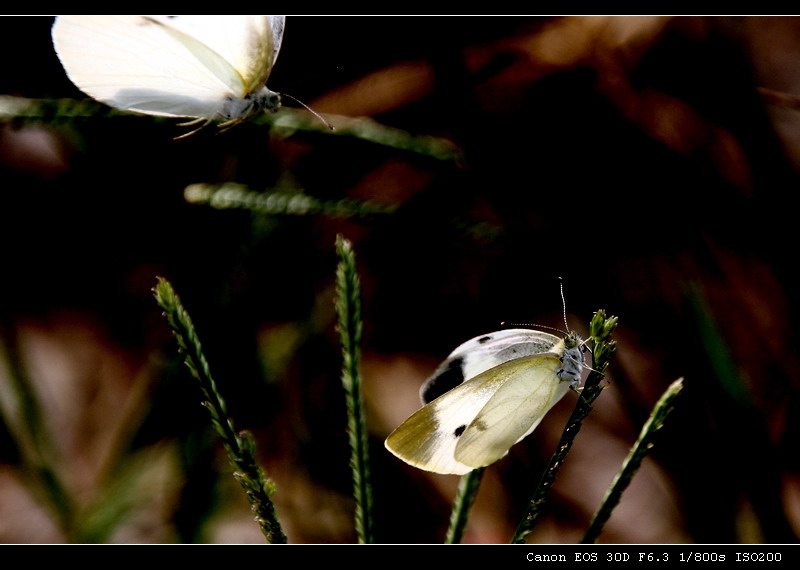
pixel 635 157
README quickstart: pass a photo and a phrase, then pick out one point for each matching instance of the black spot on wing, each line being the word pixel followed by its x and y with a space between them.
pixel 449 375
pixel 459 430
pixel 485 339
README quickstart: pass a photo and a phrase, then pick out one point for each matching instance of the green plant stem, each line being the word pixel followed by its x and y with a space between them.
pixel 231 195
pixel 292 120
pixel 241 447
pixel 348 310
pixel 465 498
pixel 633 461
pixel 285 123
pixel 601 328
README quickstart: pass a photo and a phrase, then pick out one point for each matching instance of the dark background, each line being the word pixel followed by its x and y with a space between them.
pixel 636 158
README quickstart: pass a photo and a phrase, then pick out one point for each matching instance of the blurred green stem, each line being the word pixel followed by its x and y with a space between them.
pixel 33 435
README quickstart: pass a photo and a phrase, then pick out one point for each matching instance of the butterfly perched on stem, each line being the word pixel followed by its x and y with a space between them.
pixel 491 392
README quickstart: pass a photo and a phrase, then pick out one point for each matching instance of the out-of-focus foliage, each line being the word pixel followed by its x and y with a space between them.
pixel 638 158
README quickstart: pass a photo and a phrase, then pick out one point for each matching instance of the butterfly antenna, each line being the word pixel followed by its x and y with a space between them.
pixel 310 110
pixel 564 313
pixel 563 302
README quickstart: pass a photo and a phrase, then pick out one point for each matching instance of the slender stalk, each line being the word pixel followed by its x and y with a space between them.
pixel 465 498
pixel 287 122
pixel 232 195
pixel 348 310
pixel 633 461
pixel 241 447
pixel 601 328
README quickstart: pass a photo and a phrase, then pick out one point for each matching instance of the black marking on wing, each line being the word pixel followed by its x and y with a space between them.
pixel 449 375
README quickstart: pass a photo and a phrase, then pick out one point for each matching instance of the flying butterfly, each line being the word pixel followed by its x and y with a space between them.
pixel 205 68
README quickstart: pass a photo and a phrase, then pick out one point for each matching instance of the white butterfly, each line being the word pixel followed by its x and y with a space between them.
pixel 210 68
pixel 505 382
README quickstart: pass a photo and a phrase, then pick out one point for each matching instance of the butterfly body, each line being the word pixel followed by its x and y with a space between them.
pixel 489 393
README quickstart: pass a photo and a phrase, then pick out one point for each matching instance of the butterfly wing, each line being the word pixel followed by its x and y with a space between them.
pixel 278 24
pixel 428 438
pixel 482 353
pixel 491 391
pixel 526 390
pixel 250 44
pixel 144 64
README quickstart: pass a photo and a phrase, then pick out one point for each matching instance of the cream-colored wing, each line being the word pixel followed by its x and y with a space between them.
pixel 152 65
pixel 527 388
pixel 250 44
pixel 428 438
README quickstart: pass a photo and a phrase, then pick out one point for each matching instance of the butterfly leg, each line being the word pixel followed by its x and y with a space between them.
pixel 201 121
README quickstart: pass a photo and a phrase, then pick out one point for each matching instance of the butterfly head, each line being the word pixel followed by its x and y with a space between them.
pixel 239 108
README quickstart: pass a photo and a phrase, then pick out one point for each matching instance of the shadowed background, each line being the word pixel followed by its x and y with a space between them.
pixel 634 157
